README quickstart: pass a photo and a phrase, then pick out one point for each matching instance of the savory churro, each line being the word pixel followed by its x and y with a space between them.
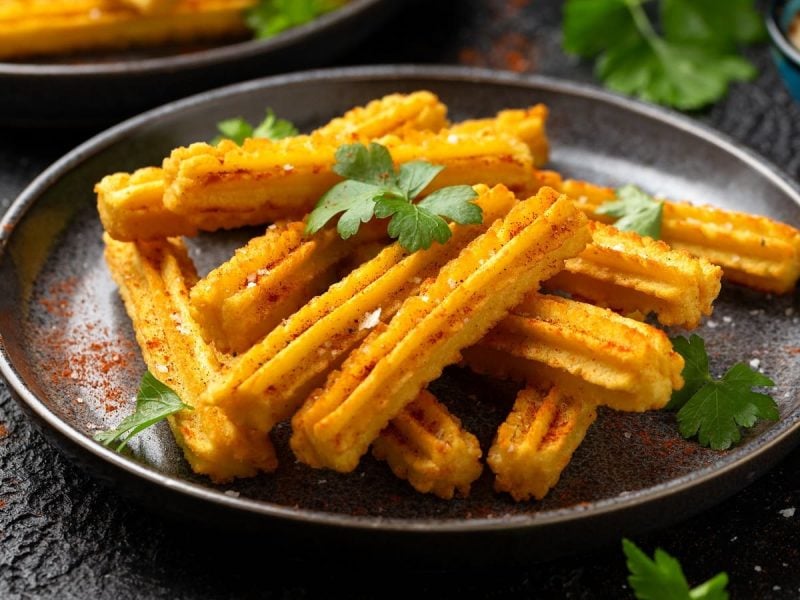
pixel 468 296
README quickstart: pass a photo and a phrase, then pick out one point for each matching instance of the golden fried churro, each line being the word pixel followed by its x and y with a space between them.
pixel 270 278
pixel 395 113
pixel 527 125
pixel 228 185
pixel 154 280
pixel 132 206
pixel 628 273
pixel 108 26
pixel 267 384
pixel 535 443
pixel 585 350
pixel 469 295
pixel 426 445
pixel 754 251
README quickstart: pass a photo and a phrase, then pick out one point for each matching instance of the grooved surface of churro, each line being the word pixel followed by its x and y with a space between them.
pixel 265 180
pixel 426 445
pixel 584 350
pixel 469 295
pixel 267 383
pixel 132 206
pixel 527 125
pixel 154 280
pixel 535 443
pixel 755 251
pixel 628 273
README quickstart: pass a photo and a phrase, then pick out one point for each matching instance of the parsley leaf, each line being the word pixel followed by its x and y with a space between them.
pixel 270 17
pixel 635 211
pixel 689 67
pixel 662 578
pixel 154 402
pixel 715 410
pixel 271 128
pixel 702 21
pixel 373 188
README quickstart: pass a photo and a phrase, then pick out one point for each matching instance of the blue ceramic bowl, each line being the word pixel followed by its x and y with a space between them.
pixel 787 57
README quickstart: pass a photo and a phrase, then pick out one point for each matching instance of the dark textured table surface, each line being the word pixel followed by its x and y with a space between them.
pixel 62 535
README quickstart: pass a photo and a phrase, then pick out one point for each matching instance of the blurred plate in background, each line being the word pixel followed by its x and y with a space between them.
pixel 91 89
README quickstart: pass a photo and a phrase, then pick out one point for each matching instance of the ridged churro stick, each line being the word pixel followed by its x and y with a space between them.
pixel 525 124
pixel 426 445
pixel 267 280
pixel 469 295
pixel 754 251
pixel 154 280
pixel 585 350
pixel 628 273
pixel 107 26
pixel 264 180
pixel 132 207
pixel 535 443
pixel 267 384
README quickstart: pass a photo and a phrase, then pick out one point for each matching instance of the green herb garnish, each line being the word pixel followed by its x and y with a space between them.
pixel 635 211
pixel 271 17
pixel 373 188
pixel 662 578
pixel 154 403
pixel 239 129
pixel 715 409
pixel 688 67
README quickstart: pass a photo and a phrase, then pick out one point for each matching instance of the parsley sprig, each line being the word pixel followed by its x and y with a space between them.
pixel 714 410
pixel 662 578
pixel 154 403
pixel 689 66
pixel 635 211
pixel 239 129
pixel 271 17
pixel 373 188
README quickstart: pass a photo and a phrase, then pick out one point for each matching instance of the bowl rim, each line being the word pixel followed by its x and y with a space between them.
pixel 778 35
pixel 195 60
pixel 785 433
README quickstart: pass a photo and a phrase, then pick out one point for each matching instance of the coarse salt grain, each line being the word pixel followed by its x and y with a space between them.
pixel 162 368
pixel 371 319
pixel 451 283
pixel 757 568
pixel 232 493
pixel 727 319
pixel 288 167
pixel 787 512
pixel 711 324
pixel 755 363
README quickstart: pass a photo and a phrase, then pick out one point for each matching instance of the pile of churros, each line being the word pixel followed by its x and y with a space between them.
pixel 342 337
pixel 42 27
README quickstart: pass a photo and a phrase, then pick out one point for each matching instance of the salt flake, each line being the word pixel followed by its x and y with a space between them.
pixel 371 319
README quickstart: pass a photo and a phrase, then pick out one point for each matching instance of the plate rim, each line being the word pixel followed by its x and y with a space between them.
pixel 780 435
pixel 195 60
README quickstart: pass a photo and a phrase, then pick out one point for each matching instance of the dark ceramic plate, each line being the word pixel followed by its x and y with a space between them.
pixel 102 88
pixel 69 354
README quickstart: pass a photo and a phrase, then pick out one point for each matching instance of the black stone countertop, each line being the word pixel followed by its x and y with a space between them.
pixel 64 536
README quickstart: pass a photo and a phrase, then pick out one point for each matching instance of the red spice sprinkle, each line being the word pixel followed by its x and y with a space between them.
pixel 2 504
pixel 3 431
